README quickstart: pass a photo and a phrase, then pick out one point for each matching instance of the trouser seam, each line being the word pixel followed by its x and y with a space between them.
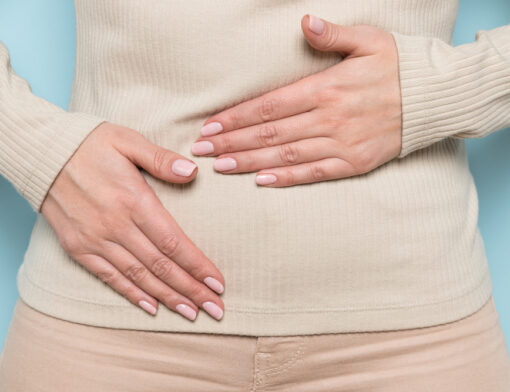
pixel 255 366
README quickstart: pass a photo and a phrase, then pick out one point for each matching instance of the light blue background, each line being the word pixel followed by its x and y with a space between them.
pixel 41 38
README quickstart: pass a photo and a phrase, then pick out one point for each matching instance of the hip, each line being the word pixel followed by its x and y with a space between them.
pixel 45 353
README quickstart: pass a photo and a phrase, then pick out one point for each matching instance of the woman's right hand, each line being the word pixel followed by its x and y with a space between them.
pixel 111 222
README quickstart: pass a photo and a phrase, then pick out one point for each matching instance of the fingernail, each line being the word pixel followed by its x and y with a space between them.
pixel 316 25
pixel 182 167
pixel 213 309
pixel 222 164
pixel 186 311
pixel 211 129
pixel 147 307
pixel 214 284
pixel 265 179
pixel 203 147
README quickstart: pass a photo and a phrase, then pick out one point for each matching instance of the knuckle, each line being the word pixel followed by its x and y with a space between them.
pixel 170 299
pixel 226 143
pixel 363 161
pixel 332 123
pixel 124 200
pixel 144 199
pixel 161 160
pixel 86 234
pixel 70 243
pixel 195 291
pixel 89 237
pixel 170 245
pixel 112 226
pixel 197 270
pixel 288 153
pixel 327 95
pixel 232 119
pixel 108 277
pixel 331 38
pixel 131 293
pixel 163 268
pixel 267 135
pixel 136 273
pixel 317 172
pixel 289 177
pixel 267 108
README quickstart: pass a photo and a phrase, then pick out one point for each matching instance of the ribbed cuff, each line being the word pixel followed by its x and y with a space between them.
pixel 60 148
pixel 36 145
pixel 448 91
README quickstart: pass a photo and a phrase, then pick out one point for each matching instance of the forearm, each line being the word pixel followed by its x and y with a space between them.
pixel 36 137
pixel 461 92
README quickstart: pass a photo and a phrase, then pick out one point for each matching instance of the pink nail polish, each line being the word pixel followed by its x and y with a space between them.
pixel 211 129
pixel 147 307
pixel 203 147
pixel 186 311
pixel 316 25
pixel 214 284
pixel 213 309
pixel 183 167
pixel 223 164
pixel 265 179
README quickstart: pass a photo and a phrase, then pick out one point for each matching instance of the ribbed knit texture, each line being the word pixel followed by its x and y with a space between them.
pixel 37 138
pixel 459 92
pixel 395 248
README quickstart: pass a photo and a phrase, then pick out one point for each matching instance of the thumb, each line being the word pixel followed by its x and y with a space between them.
pixel 330 37
pixel 160 162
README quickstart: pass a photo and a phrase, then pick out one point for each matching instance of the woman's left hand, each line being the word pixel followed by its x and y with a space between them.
pixel 340 122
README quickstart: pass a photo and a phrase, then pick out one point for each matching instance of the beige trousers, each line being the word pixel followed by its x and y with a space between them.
pixel 46 354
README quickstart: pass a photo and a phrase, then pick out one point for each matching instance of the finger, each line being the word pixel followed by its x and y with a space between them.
pixel 156 160
pixel 282 155
pixel 323 170
pixel 329 37
pixel 285 101
pixel 142 277
pixel 160 227
pixel 290 129
pixel 169 272
pixel 110 275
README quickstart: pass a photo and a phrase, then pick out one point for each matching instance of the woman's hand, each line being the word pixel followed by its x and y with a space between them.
pixel 340 122
pixel 110 221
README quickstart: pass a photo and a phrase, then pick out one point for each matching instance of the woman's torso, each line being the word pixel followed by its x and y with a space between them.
pixel 398 247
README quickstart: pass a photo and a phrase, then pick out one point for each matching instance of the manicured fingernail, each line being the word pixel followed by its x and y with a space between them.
pixel 186 311
pixel 203 147
pixel 265 179
pixel 214 284
pixel 182 167
pixel 223 164
pixel 316 25
pixel 211 129
pixel 213 309
pixel 147 307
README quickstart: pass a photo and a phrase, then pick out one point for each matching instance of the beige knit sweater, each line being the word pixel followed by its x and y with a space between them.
pixel 396 248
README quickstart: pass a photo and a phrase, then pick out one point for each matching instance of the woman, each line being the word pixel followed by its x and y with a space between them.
pixel 332 241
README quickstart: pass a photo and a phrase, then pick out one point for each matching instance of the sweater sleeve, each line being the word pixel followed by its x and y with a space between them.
pixel 37 138
pixel 459 92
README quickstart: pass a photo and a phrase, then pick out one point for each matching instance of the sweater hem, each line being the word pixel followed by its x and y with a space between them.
pixel 243 323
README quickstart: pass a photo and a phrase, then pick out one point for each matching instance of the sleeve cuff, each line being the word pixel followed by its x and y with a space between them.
pixel 451 91
pixel 63 145
pixel 33 166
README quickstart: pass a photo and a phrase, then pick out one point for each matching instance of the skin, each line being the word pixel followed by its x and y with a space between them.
pixel 341 122
pixel 110 221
